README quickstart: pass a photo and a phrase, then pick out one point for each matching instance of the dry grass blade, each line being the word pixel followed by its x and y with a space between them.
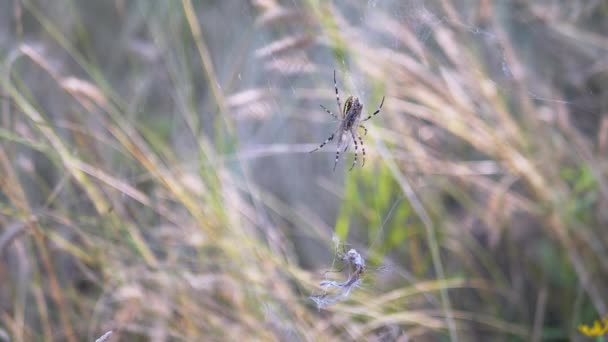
pixel 12 232
pixel 284 46
pixel 104 337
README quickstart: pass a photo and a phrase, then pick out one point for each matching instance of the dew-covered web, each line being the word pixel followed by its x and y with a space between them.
pixel 415 15
pixel 342 278
pixel 290 62
pixel 423 16
pixel 448 43
pixel 493 50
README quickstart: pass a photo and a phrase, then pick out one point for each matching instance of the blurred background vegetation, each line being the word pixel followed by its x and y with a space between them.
pixel 155 178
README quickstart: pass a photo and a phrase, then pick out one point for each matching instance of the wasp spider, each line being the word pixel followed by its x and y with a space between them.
pixel 350 122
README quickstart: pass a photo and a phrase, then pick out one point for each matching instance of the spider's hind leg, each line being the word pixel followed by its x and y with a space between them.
pixel 352 133
pixel 331 137
pixel 337 157
pixel 362 149
pixel 346 146
pixel 365 129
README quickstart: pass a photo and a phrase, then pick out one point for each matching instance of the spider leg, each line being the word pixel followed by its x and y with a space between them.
pixel 352 133
pixel 337 157
pixel 376 112
pixel 329 112
pixel 362 149
pixel 365 129
pixel 337 96
pixel 346 147
pixel 331 137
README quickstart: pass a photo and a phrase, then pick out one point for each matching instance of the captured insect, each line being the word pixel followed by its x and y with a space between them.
pixel 355 266
pixel 350 122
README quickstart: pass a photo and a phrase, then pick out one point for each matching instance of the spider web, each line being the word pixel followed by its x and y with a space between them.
pixel 334 290
pixel 422 16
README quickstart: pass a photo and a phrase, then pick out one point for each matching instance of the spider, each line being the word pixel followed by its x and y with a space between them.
pixel 349 123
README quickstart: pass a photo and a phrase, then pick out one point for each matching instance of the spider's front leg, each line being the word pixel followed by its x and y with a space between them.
pixel 337 96
pixel 330 112
pixel 376 112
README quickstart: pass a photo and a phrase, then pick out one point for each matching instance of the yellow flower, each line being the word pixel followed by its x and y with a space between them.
pixel 599 328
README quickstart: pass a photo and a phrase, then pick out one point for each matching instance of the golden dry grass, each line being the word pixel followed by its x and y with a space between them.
pixel 154 180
